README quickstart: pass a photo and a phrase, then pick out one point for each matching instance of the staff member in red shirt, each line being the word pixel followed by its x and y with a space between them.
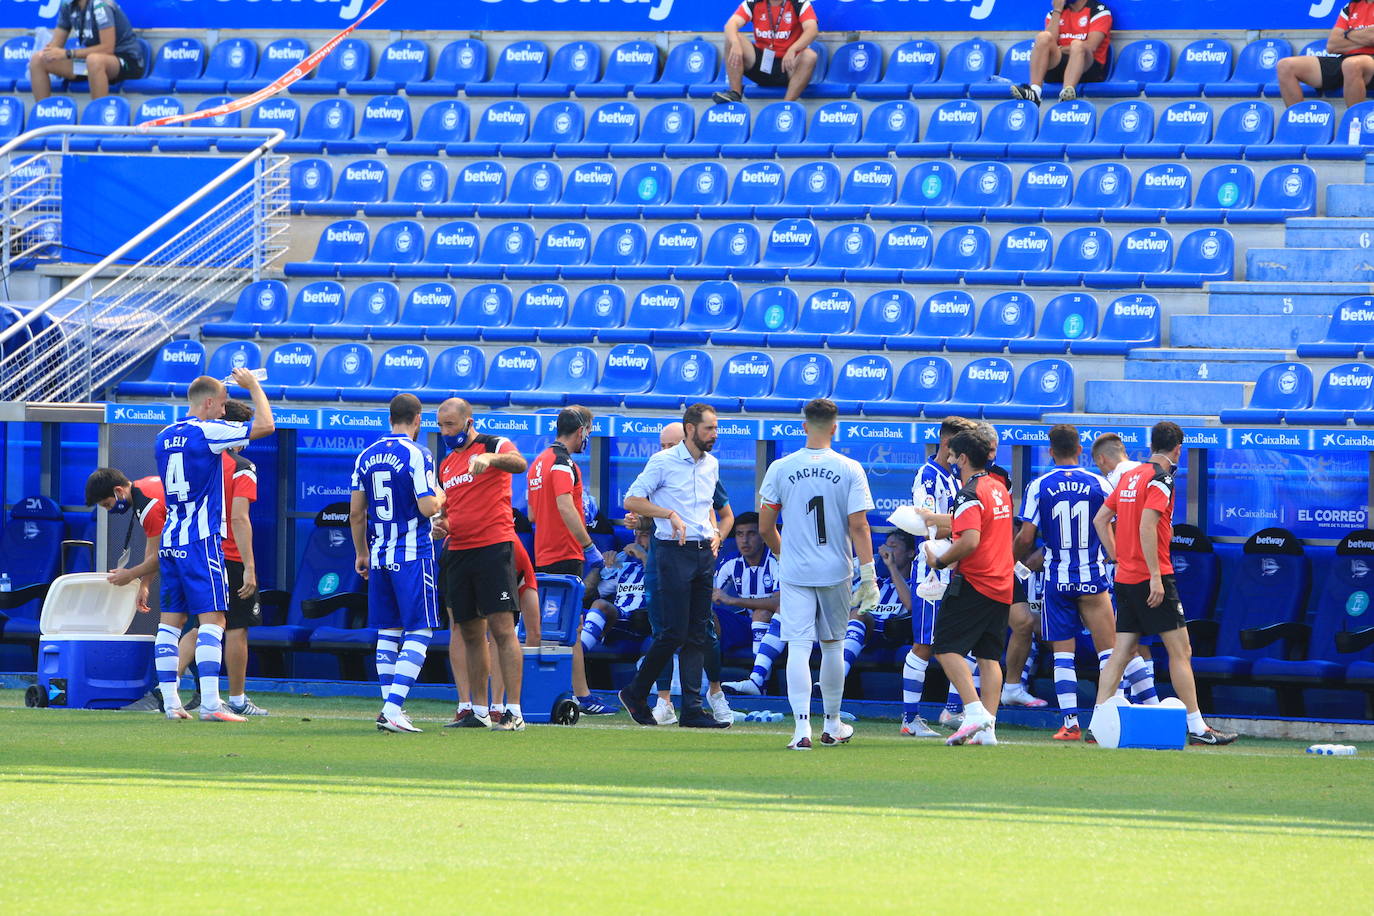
pixel 1071 50
pixel 111 490
pixel 478 568
pixel 1349 63
pixel 779 55
pixel 973 617
pixel 1146 595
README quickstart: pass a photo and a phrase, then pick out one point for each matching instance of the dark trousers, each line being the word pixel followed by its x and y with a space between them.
pixel 682 602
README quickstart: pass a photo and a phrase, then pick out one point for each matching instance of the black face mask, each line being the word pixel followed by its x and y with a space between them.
pixel 120 507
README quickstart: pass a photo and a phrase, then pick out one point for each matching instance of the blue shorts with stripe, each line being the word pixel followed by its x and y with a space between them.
pixel 193 579
pixel 923 620
pixel 403 596
pixel 1060 619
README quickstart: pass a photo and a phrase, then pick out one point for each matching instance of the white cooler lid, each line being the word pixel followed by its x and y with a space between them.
pixel 85 603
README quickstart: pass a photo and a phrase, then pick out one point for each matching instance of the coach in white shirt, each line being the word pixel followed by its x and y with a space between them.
pixel 676 489
pixel 1109 454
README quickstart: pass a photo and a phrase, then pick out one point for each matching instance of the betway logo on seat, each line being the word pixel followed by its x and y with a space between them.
pixel 352 236
pixel 506 117
pixel 321 296
pixel 1270 542
pixel 661 301
pixel 979 374
pixel 908 241
pixel 455 239
pixel 1309 117
pixel 1165 181
pixel 873 372
pixel 1028 243
pixel 1133 310
pixel 1146 244
pixel 678 241
pixel 748 369
pixel 633 57
pixel 759 177
pixel 1074 116
pixel 948 308
pixel 1350 381
pixel 880 178
pixel 546 300
pixel 1204 57
pixel 1186 117
pixel 403 362
pixel 162 110
pixel 172 53
pixel 17 52
pixel 838 117
pixel 364 174
pixel 830 304
pixel 1047 179
pixel 615 117
pixel 292 359
pixel 405 54
pixel 1349 314
pixel 791 237
pixel 566 241
pixel 180 356
pixel 482 177
pixel 279 113
pixel 627 362
pixel 590 177
pixel 915 57
pixel 432 299
pixel 524 56
pixel 285 53
pixel 384 112
pixel 516 362
pixel 958 116
pixel 724 117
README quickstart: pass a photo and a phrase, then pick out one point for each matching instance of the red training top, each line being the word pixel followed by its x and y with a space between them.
pixel 240 480
pixel 1146 487
pixel 984 505
pixel 477 506
pixel 776 27
pixel 524 569
pixel 1077 25
pixel 551 475
pixel 152 509
pixel 1358 14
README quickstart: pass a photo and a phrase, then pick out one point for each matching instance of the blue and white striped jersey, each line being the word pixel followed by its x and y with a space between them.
pixel 889 601
pixel 192 472
pixel 395 473
pixel 1061 505
pixel 747 581
pixel 624 585
pixel 933 490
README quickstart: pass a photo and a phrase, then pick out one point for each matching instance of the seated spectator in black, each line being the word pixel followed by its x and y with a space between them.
pixel 779 55
pixel 1072 49
pixel 109 52
pixel 1349 63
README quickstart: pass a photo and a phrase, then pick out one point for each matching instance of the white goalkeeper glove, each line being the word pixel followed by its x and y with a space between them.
pixel 868 588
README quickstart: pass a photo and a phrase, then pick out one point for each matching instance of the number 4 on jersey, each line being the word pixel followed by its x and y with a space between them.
pixel 176 483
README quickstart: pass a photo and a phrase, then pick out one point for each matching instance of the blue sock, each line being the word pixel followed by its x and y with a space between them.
pixel 388 644
pixel 1066 686
pixel 757 630
pixel 592 629
pixel 408 665
pixel 913 684
pixel 209 655
pixel 165 650
pixel 770 647
pixel 1140 682
pixel 854 637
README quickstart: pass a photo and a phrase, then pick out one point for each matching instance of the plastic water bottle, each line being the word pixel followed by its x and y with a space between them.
pixel 1353 136
pixel 1332 750
pixel 4 581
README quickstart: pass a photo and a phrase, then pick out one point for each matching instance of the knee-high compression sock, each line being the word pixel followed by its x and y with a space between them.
pixel 165 649
pixel 408 665
pixel 1140 681
pixel 855 635
pixel 799 683
pixel 832 683
pixel 913 684
pixel 757 630
pixel 209 657
pixel 770 647
pixel 592 629
pixel 1066 686
pixel 388 644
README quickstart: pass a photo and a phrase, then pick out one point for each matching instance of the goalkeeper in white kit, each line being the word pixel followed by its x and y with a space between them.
pixel 826 501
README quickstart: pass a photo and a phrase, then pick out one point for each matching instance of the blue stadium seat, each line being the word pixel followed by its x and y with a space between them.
pixel 644 187
pixel 1302 127
pixel 684 378
pixel 460 63
pixel 350 60
pixel 956 121
pixel 11 117
pixel 400 64
pixel 290 365
pixel 512 370
pixel 402 368
pixel 666 123
pixel 942 316
pixel 419 185
pixel 14 61
pixel 1026 249
pixel 719 125
pixel 230 59
pixel 1161 189
pixel 732 246
pixel 815 185
pixel 628 66
pixel 502 124
pixel 654 310
pixel 535 190
pixel 972 61
pixel 619 246
pixel 482 309
pixel 177 59
pixel 1045 386
pixel 760 184
pixel 161 106
pixel 1203 255
pixel 1067 318
pixel 1044 186
pixel 544 306
pixel 716 306
pixel 923 380
pixel 478 184
pixel 769 311
pixel 1064 123
pixel 888 125
pixel 982 187
pixel 261 304
pixel 791 243
pixel 1255 68
pixel 1223 189
pixel 385 120
pixel 51 111
pixel 30 554
pixel 1197 571
pixel 441 125
pixel 1005 317
pixel 673 245
pixel 396 244
pixel 519 62
pixel 317 303
pixel 201 144
pixel 570 377
pixel 592 184
pixel 904 252
pixel 911 63
pixel 887 313
pixel 1361 116
pixel 629 369
pixel 1141 252
pixel 852 65
pixel 344 366
pixel 453 245
pixel 1181 125
pixel 847 247
pixel 596 308
pixel 1200 63
pixel 1015 69
pixel 277 57
pixel 983 383
pixel 177 364
pixel 1140 62
pixel 928 184
pixel 325 568
pixel 574 64
pixel 226 358
pixel 701 185
pixel 343 242
pixel 870 184
pixel 802 378
pixel 562 244
pixel 374 305
pixel 428 311
pixel 1013 121
pixel 281 113
pixel 507 245
pixel 1350 333
pixel 110 111
pixel 862 384
pixel 1242 125
pixel 776 124
pixel 1279 389
pixel 330 119
pixel 612 123
pixel 456 372
pixel 1129 322
pixel 1084 250
pixel 362 182
pixel 689 64
pixel 826 314
pixel 1123 124
pixel 744 375
pixel 1286 190
pixel 960 249
pixel 833 124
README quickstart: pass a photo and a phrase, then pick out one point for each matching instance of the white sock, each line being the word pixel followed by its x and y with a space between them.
pixel 799 683
pixel 480 711
pixel 975 711
pixel 466 705
pixel 514 709
pixel 238 700
pixel 1036 88
pixel 832 679
pixel 1195 723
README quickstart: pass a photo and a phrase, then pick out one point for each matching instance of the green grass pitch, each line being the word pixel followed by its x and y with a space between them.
pixel 313 811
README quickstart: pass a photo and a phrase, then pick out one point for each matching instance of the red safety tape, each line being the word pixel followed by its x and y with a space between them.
pixel 308 64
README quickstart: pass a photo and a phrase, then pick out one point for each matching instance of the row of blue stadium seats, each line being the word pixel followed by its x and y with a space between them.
pixel 959 128
pixel 851 252
pixel 930 191
pixel 527 68
pixel 715 311
pixel 630 376
pixel 1284 393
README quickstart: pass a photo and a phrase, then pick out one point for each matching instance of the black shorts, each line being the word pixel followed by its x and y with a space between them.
pixel 1018 591
pixel 1332 76
pixel 970 621
pixel 773 77
pixel 1134 614
pixel 897 631
pixel 480 582
pixel 130 67
pixel 243 612
pixel 561 568
pixel 1095 73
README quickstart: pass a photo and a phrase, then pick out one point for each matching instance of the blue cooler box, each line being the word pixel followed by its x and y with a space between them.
pixel 85 660
pixel 548 677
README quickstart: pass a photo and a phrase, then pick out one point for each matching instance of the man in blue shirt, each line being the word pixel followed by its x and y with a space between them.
pixel 108 50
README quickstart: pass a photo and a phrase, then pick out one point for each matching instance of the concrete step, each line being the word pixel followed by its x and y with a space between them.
pixel 1243 297
pixel 1200 365
pixel 1350 200
pixel 1164 398
pixel 1304 265
pixel 1329 232
pixel 1226 332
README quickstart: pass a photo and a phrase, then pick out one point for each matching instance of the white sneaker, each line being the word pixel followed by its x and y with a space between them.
pixel 745 688
pixel 843 732
pixel 399 725
pixel 178 712
pixel 1018 695
pixel 951 719
pixel 720 707
pixel 987 736
pixel 970 728
pixel 799 743
pixel 664 713
pixel 916 727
